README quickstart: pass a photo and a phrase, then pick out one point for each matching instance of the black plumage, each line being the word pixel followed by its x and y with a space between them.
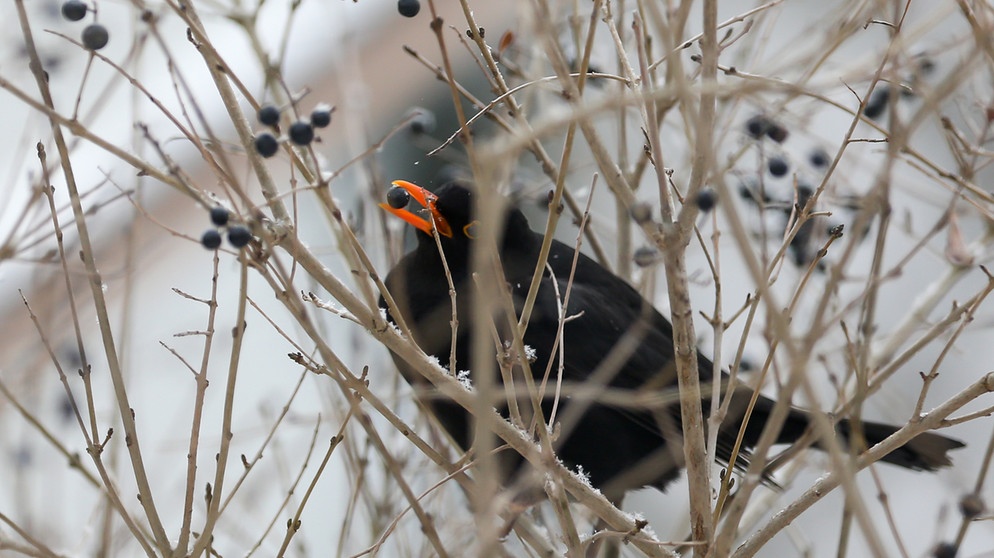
pixel 619 446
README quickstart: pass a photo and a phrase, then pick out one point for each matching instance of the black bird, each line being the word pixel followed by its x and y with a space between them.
pixel 620 447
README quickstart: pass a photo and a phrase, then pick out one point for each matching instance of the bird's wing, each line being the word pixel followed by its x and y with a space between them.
pixel 603 314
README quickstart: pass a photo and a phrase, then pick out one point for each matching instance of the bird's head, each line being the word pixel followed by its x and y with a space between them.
pixel 448 211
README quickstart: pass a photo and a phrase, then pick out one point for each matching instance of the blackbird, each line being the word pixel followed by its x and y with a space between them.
pixel 620 446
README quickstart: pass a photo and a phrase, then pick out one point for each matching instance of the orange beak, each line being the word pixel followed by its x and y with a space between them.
pixel 427 200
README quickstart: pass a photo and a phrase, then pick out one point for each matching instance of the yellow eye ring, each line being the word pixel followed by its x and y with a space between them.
pixel 467 231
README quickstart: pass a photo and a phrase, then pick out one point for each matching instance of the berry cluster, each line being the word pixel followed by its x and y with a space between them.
pixel 778 166
pixel 238 235
pixel 759 126
pixel 95 36
pixel 301 132
pixel 787 186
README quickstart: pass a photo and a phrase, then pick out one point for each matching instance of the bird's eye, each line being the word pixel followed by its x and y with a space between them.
pixel 469 231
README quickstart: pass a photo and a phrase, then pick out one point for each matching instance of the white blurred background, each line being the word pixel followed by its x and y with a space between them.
pixel 349 54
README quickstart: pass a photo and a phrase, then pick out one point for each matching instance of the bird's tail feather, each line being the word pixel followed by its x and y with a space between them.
pixel 924 452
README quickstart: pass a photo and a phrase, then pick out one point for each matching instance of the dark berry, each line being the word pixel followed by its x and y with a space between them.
pixel 757 126
pixel 819 158
pixel 645 256
pixel 777 132
pixel 266 144
pixel 73 10
pixel 269 115
pixel 751 190
pixel 945 550
pixel 398 198
pixel 239 236
pixel 877 103
pixel 574 65
pixel 778 166
pixel 321 116
pixel 219 215
pixel 706 200
pixel 95 36
pixel 408 8
pixel 301 132
pixel 211 239
pixel 422 121
pixel 971 506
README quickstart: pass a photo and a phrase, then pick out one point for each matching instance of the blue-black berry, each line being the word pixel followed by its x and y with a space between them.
pixel 777 133
pixel 752 190
pixel 95 36
pixel 778 166
pixel 269 115
pixel 211 239
pixel 877 103
pixel 757 126
pixel 645 256
pixel 239 236
pixel 706 199
pixel 266 144
pixel 74 10
pixel 422 121
pixel 971 506
pixel 321 116
pixel 819 158
pixel 398 198
pixel 945 550
pixel 301 132
pixel 219 215
pixel 408 8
